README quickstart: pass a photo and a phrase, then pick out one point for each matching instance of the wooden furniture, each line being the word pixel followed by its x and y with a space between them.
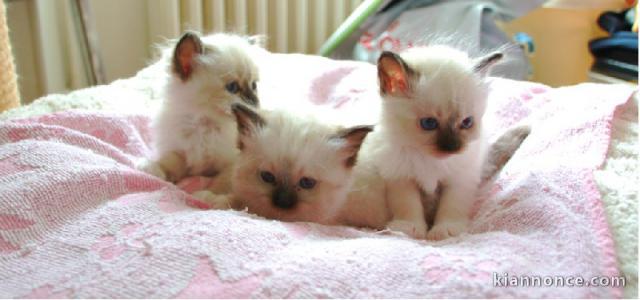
pixel 9 96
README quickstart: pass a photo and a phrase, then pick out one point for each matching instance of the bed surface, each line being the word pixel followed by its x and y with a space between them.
pixel 129 99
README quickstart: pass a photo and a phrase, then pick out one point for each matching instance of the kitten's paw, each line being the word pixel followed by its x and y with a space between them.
pixel 153 168
pixel 412 229
pixel 446 230
pixel 215 201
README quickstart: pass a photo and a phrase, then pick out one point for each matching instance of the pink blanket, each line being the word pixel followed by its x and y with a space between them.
pixel 77 220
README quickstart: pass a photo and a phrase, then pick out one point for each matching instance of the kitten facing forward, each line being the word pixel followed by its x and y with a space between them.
pixel 195 131
pixel 430 135
pixel 293 167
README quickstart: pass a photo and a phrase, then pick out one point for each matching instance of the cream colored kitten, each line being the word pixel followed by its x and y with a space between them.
pixel 367 204
pixel 431 135
pixel 293 167
pixel 195 131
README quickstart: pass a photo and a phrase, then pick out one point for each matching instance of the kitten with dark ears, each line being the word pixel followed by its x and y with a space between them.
pixel 431 135
pixel 368 204
pixel 195 131
pixel 293 167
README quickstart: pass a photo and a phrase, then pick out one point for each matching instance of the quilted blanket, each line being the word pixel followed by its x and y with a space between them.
pixel 77 220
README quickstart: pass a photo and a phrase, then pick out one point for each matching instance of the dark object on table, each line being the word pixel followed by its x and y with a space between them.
pixel 616 55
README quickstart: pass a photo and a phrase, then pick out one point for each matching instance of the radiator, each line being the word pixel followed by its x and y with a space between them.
pixel 299 26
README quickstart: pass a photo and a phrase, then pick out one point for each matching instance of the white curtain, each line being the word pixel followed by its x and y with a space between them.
pixel 291 25
pixel 49 50
pixel 49 54
pixel 45 47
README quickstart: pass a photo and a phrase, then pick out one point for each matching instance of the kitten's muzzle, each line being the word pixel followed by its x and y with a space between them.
pixel 284 197
pixel 249 97
pixel 448 141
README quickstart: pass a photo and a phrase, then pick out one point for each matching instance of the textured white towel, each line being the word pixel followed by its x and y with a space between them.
pixel 76 220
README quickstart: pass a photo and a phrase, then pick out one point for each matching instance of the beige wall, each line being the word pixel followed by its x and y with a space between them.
pixel 48 51
pixel 23 43
pixel 123 38
pixel 45 47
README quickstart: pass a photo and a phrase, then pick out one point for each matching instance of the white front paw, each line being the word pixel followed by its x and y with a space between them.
pixel 415 230
pixel 153 168
pixel 446 230
pixel 215 201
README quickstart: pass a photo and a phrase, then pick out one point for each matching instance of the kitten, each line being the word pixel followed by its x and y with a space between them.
pixel 367 204
pixel 292 167
pixel 195 131
pixel 431 135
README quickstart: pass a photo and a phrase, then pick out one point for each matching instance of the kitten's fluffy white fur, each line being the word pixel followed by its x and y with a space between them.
pixel 295 145
pixel 399 166
pixel 445 85
pixel 280 151
pixel 195 132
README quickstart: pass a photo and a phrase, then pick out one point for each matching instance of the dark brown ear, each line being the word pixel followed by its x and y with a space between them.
pixel 352 138
pixel 483 64
pixel 187 49
pixel 248 121
pixel 394 75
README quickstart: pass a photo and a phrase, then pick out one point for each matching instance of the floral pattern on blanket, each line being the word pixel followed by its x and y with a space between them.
pixel 77 220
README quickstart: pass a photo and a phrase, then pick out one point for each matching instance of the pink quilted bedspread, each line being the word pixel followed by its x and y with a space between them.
pixel 77 220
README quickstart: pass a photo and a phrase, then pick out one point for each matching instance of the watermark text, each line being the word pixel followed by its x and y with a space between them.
pixel 506 280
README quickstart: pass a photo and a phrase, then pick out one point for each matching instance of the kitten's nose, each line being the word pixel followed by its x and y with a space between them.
pixel 284 198
pixel 449 146
pixel 449 142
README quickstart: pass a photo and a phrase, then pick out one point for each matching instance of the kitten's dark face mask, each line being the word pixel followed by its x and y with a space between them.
pixel 245 89
pixel 278 192
pixel 283 191
pixel 447 137
pixel 449 141
pixel 275 194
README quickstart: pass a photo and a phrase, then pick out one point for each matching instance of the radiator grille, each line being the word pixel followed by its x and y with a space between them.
pixel 299 26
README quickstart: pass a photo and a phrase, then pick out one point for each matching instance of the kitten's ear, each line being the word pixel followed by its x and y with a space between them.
pixel 351 139
pixel 484 64
pixel 187 49
pixel 394 75
pixel 248 122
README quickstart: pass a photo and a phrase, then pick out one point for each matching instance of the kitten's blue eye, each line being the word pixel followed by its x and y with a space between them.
pixel 267 177
pixel 232 87
pixel 307 183
pixel 467 123
pixel 254 85
pixel 428 123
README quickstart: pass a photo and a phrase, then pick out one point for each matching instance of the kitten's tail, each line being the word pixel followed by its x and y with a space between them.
pixel 502 150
